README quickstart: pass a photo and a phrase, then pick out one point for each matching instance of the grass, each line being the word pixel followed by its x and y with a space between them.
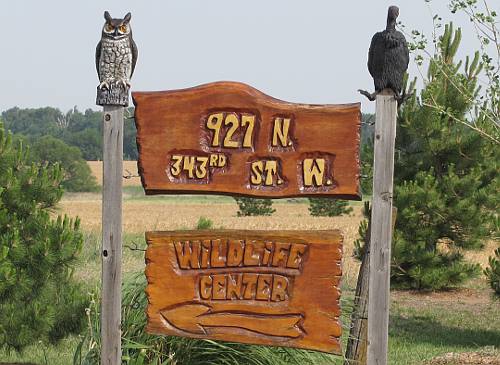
pixel 420 328
pixel 418 333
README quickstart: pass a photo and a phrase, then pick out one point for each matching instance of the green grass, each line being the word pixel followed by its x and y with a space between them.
pixel 419 329
pixel 45 354
pixel 418 333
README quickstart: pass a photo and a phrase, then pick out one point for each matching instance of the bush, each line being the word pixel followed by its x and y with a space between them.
pixel 77 174
pixel 254 207
pixel 38 298
pixel 493 272
pixel 204 223
pixel 138 347
pixel 328 207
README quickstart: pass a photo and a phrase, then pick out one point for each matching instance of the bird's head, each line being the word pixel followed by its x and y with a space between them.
pixel 116 28
pixel 392 14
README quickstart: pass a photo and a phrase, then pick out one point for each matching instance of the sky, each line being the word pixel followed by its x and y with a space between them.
pixel 311 51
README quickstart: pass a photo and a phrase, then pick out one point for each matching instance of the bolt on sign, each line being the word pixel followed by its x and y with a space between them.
pixel 229 138
pixel 276 288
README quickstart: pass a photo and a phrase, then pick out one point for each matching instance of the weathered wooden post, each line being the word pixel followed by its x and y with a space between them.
pixel 357 343
pixel 115 59
pixel 381 228
pixel 388 59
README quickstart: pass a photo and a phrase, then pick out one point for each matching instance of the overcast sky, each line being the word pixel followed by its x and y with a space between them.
pixel 310 51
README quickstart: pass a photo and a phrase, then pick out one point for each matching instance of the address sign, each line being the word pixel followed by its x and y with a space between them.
pixel 229 138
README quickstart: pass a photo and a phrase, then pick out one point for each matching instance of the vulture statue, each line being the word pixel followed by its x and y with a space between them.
pixel 388 58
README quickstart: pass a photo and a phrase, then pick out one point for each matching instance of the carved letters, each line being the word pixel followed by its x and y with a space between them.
pixel 275 288
pixel 230 138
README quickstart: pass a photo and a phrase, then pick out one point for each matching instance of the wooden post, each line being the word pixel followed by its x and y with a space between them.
pixel 112 235
pixel 356 344
pixel 380 245
pixel 358 336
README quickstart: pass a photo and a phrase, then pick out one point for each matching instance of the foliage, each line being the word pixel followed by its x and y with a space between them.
pixel 77 175
pixel 38 299
pixel 483 115
pixel 366 152
pixel 445 176
pixel 254 207
pixel 359 243
pixel 204 223
pixel 82 130
pixel 493 272
pixel 141 348
pixel 327 207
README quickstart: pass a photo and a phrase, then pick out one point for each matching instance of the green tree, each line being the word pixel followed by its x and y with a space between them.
pixel 446 178
pixel 77 175
pixel 254 207
pixel 493 272
pixel 82 130
pixel 38 298
pixel 327 207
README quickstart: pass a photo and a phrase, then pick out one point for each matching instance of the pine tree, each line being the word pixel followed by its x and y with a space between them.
pixel 38 299
pixel 446 178
pixel 254 207
pixel 327 207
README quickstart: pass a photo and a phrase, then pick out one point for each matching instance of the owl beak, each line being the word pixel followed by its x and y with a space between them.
pixel 116 32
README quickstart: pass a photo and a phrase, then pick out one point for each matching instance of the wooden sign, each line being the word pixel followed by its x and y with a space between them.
pixel 229 138
pixel 277 288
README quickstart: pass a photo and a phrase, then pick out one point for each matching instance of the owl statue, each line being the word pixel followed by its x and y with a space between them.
pixel 116 53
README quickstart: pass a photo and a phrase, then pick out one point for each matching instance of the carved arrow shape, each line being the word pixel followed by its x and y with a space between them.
pixel 197 318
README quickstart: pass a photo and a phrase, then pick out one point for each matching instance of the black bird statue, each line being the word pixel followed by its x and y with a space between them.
pixel 388 59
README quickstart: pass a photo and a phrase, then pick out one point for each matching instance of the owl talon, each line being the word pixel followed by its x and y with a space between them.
pixel 103 85
pixel 125 83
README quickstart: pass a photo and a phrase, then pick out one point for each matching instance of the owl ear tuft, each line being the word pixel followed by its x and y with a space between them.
pixel 107 16
pixel 127 18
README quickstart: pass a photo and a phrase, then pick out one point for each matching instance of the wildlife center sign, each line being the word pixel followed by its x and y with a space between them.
pixel 260 287
pixel 229 138
pixel 275 288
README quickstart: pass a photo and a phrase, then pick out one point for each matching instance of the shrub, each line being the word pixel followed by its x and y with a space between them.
pixel 204 223
pixel 253 207
pixel 138 347
pixel 327 207
pixel 493 272
pixel 76 173
pixel 38 299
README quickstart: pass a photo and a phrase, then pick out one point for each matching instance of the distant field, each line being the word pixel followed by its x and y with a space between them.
pixel 129 169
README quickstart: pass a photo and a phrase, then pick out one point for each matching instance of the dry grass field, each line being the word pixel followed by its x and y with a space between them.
pixel 452 327
pixel 142 214
pixel 129 169
pixel 149 214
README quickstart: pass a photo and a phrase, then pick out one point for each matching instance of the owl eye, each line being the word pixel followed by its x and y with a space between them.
pixel 123 28
pixel 109 28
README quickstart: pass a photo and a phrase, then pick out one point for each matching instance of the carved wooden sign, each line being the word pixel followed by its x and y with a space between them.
pixel 276 288
pixel 229 138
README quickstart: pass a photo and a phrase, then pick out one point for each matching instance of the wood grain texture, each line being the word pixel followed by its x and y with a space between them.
pixel 278 288
pixel 112 235
pixel 229 138
pixel 381 229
